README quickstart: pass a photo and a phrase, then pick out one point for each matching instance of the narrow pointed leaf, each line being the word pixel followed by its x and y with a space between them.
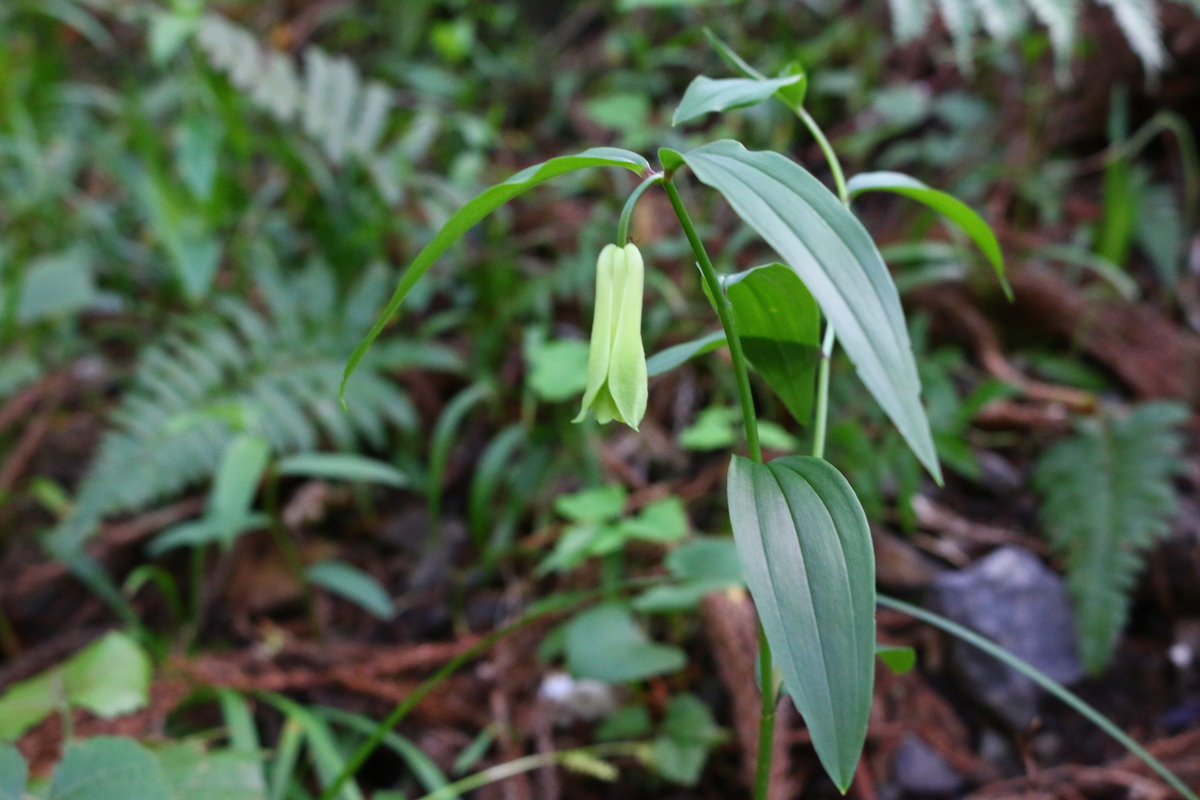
pixel 705 95
pixel 483 204
pixel 343 467
pixel 945 204
pixel 672 357
pixel 833 255
pixel 353 584
pixel 780 327
pixel 805 549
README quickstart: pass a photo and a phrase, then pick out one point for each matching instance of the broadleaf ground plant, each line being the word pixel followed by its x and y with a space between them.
pixel 800 531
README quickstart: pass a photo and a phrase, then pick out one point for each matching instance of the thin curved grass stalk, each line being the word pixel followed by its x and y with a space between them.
pixel 1052 686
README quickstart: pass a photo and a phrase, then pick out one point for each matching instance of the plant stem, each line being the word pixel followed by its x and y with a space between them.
pixel 292 557
pixel 725 313
pixel 821 422
pixel 835 166
pixel 627 211
pixel 766 720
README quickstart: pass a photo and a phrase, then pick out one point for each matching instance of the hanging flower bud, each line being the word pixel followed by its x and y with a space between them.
pixel 616 387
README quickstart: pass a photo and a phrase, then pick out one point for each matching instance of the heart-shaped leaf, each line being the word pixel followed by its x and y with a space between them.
pixel 806 553
pixel 605 644
pixel 835 258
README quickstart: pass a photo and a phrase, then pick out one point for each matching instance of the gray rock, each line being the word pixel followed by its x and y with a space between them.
pixel 917 768
pixel 1015 600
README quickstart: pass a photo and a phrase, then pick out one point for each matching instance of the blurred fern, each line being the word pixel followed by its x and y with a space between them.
pixel 329 98
pixel 1004 20
pixel 276 374
pixel 1108 497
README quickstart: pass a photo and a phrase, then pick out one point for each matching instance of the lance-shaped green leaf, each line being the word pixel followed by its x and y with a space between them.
pixel 672 357
pixel 780 327
pixel 805 549
pixel 705 95
pixel 834 256
pixel 479 207
pixel 945 204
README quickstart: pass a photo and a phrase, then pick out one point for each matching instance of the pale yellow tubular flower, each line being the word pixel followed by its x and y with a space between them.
pixel 616 387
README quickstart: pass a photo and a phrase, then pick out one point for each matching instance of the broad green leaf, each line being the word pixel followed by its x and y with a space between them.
pixel 605 644
pixel 558 369
pixel 55 285
pixel 593 505
pixel 898 659
pixel 343 467
pixel 196 774
pixel 834 256
pixel 945 204
pixel 712 430
pixel 688 733
pixel 662 521
pixel 27 703
pixel 779 325
pixel 706 558
pixel 483 204
pixel 107 768
pixel 705 95
pixel 806 552
pixel 354 585
pixel 13 773
pixel 672 357
pixel 236 483
pixel 109 677
pixel 628 722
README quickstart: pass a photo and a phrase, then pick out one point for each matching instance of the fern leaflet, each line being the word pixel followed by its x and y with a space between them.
pixel 1108 497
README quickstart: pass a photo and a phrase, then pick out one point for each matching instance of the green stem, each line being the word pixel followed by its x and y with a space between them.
pixel 766 719
pixel 725 313
pixel 821 423
pixel 627 211
pixel 1050 685
pixel 515 767
pixel 288 548
pixel 835 166
pixel 539 611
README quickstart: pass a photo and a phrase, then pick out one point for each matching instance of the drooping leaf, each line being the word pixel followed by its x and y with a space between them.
pixel 806 552
pixel 945 204
pixel 705 95
pixel 834 256
pixel 108 767
pixel 343 467
pixel 1109 497
pixel 779 325
pixel 353 584
pixel 478 208
pixel 672 357
pixel 13 773
pixel 605 644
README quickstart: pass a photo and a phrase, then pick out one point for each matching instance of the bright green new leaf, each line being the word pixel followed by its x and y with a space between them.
pixel 705 95
pixel 343 467
pixel 593 505
pixel 834 256
pixel 605 644
pixel 558 369
pixel 13 773
pixel 616 385
pixel 945 204
pixel 106 768
pixel 672 357
pixel 662 521
pixel 898 659
pixel 478 208
pixel 701 565
pixel 806 552
pixel 780 327
pixel 353 584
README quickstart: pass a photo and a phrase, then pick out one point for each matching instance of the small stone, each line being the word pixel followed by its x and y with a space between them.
pixel 575 700
pixel 919 769
pixel 1015 600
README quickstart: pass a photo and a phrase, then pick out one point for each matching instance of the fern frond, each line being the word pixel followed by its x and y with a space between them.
pixel 1004 19
pixel 277 373
pixel 343 113
pixel 1108 497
